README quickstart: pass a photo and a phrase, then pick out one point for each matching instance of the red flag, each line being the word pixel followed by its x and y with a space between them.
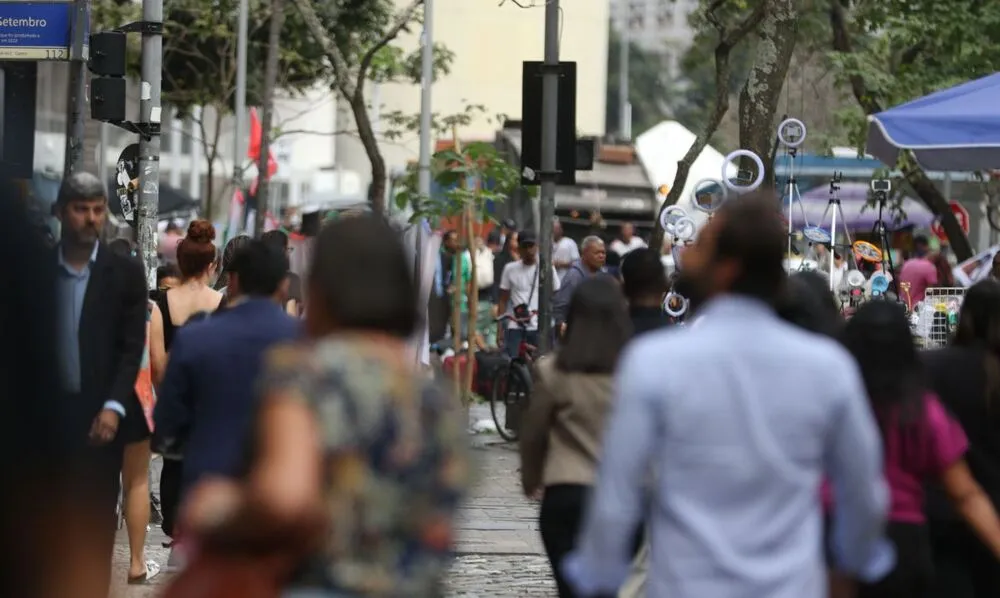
pixel 253 148
pixel 256 136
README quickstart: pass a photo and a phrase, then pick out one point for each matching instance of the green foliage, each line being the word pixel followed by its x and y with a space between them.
pixel 649 89
pixel 472 178
pixel 905 49
pixel 399 123
pixel 200 47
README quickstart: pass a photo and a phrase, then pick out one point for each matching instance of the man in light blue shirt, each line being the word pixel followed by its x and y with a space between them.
pixel 739 432
pixel 102 328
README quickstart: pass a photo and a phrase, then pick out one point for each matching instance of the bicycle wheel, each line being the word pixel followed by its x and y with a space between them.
pixel 511 391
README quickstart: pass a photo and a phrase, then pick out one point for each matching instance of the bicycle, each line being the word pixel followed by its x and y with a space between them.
pixel 511 385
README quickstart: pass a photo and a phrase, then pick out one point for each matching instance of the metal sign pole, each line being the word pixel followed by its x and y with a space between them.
pixel 77 99
pixel 149 144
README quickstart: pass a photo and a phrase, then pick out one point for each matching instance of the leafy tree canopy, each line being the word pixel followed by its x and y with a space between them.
pixel 200 49
pixel 905 49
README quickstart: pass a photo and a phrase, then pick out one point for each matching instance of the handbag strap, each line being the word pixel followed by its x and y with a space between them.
pixel 534 285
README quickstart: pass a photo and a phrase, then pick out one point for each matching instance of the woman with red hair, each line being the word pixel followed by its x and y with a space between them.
pixel 196 260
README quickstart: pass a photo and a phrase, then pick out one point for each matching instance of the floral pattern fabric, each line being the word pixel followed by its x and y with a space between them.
pixel 397 462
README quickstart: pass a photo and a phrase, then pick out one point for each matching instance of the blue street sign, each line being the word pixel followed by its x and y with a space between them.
pixel 31 30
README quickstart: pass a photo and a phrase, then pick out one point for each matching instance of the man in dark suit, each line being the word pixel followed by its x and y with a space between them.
pixel 102 327
pixel 207 396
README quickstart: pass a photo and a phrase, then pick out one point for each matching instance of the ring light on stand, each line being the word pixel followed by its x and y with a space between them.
pixel 787 133
pixel 670 300
pixel 669 218
pixel 733 157
pixel 684 229
pixel 706 182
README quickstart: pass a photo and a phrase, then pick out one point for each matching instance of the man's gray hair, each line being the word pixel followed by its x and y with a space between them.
pixel 80 186
pixel 591 240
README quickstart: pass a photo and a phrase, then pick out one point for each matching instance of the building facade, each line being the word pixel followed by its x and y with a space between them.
pixel 659 26
pixel 318 157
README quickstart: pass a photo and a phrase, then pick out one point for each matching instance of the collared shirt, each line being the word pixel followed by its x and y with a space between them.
pixel 740 435
pixel 72 291
pixel 72 288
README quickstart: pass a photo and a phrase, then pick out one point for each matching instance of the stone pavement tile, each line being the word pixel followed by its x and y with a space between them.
pixel 500 576
pixel 500 553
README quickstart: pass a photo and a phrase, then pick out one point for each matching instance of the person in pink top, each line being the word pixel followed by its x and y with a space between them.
pixel 919 270
pixel 167 245
pixel 922 443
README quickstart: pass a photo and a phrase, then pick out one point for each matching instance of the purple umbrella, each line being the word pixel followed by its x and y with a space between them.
pixel 859 215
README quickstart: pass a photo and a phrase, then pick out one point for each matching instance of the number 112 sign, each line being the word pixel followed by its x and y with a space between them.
pixel 31 30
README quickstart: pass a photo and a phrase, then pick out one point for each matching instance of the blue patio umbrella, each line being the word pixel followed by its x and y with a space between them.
pixel 956 129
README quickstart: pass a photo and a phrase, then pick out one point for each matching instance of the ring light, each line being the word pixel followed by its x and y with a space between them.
pixel 680 310
pixel 684 229
pixel 783 136
pixel 669 218
pixel 711 208
pixel 733 157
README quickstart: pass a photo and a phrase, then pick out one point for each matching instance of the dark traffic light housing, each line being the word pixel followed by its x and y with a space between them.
pixel 108 55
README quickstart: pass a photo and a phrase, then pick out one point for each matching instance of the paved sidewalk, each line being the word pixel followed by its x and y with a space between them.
pixel 500 553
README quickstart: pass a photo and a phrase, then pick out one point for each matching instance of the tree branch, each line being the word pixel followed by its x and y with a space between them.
pixel 912 172
pixel 842 44
pixel 404 18
pixel 728 39
pixel 341 70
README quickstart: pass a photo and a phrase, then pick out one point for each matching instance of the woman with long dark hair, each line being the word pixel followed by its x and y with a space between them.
pixel 966 375
pixel 561 433
pixel 922 444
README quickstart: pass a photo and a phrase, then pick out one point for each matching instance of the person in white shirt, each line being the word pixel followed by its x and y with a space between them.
pixel 519 287
pixel 628 242
pixel 564 250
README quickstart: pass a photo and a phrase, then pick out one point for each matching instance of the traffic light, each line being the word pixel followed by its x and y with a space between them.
pixel 107 86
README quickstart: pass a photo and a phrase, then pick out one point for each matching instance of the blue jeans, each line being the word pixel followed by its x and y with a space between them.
pixel 512 338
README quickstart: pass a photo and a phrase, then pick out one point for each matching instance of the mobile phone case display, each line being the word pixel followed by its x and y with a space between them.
pixel 935 318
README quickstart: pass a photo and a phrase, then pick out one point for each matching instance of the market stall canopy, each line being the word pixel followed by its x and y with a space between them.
pixel 859 215
pixel 956 129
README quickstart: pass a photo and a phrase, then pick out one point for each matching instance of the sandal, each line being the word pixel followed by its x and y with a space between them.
pixel 152 570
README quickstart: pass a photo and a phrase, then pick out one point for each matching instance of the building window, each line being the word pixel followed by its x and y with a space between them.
pixel 636 14
pixel 185 182
pixel 187 136
pixel 665 18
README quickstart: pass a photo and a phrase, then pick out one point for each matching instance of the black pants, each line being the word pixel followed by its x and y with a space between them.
pixel 914 571
pixel 963 567
pixel 97 471
pixel 561 516
pixel 170 493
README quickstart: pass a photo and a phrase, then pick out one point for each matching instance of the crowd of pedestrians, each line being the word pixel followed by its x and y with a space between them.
pixel 772 450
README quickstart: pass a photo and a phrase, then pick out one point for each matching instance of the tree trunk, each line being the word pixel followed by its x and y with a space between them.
pixel 267 113
pixel 762 90
pixel 925 188
pixel 728 38
pixel 472 293
pixel 376 192
pixel 456 321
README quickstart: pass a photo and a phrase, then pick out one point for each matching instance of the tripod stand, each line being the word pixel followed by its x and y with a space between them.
pixel 833 210
pixel 881 233
pixel 792 134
